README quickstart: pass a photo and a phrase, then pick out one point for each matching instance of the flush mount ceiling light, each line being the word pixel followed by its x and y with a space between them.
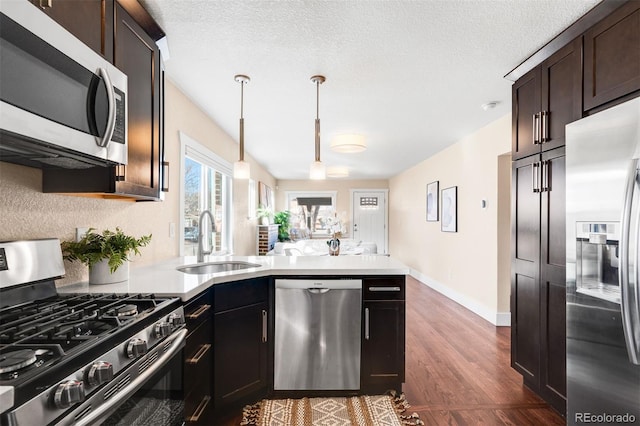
pixel 337 172
pixel 489 105
pixel 241 169
pixel 348 143
pixel 317 170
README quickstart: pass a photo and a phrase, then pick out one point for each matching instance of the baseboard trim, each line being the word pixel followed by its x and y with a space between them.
pixel 500 319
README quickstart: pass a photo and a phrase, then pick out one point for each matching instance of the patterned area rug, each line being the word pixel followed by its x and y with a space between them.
pixel 378 410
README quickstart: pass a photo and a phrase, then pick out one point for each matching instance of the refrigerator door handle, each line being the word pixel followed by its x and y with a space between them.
pixel 628 305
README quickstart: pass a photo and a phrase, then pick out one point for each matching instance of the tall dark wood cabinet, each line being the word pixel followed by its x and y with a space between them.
pixel 383 336
pixel 128 36
pixel 597 69
pixel 538 274
pixel 240 342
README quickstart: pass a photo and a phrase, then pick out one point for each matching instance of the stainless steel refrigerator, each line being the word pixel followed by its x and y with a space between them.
pixel 603 241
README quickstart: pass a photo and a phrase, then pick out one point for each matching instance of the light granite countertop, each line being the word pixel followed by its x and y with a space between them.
pixel 163 279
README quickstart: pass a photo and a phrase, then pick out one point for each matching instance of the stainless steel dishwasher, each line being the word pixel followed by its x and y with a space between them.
pixel 317 334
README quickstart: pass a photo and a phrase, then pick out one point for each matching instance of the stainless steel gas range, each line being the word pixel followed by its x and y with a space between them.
pixel 84 359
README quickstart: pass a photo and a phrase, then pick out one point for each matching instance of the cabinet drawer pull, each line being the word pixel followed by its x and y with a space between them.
pixel 264 326
pixel 384 288
pixel 200 409
pixel 366 323
pixel 201 310
pixel 196 358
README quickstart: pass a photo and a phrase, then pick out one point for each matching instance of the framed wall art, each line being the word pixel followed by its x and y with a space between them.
pixel 265 196
pixel 432 201
pixel 450 209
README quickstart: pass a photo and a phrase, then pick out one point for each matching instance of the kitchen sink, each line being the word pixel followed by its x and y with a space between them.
pixel 214 267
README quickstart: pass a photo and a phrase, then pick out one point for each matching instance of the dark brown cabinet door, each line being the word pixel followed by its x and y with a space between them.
pixel 545 100
pixel 240 344
pixel 525 107
pixel 553 281
pixel 89 20
pixel 561 94
pixel 383 352
pixel 612 57
pixel 198 361
pixel 538 274
pixel 525 268
pixel 137 55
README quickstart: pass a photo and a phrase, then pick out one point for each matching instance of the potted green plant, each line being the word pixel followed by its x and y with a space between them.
pixel 283 219
pixel 264 214
pixel 106 254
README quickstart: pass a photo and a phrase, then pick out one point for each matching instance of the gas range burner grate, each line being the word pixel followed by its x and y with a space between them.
pixel 71 320
pixel 16 360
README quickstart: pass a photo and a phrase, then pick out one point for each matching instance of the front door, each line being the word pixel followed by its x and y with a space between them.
pixel 370 218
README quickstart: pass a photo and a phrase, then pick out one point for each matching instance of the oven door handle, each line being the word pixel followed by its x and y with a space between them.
pixel 101 412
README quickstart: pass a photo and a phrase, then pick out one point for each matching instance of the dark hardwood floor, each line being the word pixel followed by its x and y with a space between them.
pixel 458 368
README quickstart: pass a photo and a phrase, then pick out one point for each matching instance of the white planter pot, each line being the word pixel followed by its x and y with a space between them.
pixel 100 273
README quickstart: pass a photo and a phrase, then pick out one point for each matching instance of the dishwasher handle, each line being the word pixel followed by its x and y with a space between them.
pixel 317 290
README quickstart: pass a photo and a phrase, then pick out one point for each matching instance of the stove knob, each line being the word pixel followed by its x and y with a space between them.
pixel 68 393
pixel 176 320
pixel 100 372
pixel 136 348
pixel 162 329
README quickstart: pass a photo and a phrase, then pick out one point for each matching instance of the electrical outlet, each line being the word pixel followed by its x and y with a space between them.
pixel 80 233
pixel 172 230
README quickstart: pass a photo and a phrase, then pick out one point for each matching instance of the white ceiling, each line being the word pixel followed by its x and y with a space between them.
pixel 409 75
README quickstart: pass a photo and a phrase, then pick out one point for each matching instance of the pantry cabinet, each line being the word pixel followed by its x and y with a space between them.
pixel 538 274
pixel 599 68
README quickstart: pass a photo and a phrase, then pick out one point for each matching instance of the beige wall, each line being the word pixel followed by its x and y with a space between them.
pixel 186 117
pixel 462 265
pixel 341 186
pixel 28 213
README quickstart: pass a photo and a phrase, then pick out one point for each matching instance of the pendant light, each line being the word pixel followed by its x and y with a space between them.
pixel 241 169
pixel 317 170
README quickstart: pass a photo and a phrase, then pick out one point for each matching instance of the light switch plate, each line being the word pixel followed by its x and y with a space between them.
pixel 80 233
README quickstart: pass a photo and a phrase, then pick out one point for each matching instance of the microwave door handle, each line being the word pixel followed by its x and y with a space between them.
pixel 104 410
pixel 627 294
pixel 111 121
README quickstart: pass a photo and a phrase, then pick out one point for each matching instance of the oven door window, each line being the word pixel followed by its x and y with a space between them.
pixel 158 403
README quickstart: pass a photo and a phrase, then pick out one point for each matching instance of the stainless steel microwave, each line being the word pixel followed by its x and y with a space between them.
pixel 61 103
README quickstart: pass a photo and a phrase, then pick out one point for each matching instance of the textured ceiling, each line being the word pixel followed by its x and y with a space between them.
pixel 409 75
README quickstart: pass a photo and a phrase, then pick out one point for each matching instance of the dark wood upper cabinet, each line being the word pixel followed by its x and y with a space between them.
pixel 130 39
pixel 612 57
pixel 137 55
pixel 91 21
pixel 545 99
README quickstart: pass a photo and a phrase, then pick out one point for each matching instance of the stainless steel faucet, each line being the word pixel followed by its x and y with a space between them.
pixel 201 251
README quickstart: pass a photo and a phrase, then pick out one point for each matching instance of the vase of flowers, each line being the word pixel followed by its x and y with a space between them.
pixel 334 228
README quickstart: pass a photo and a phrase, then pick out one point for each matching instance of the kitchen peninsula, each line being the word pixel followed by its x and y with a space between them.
pixel 232 356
